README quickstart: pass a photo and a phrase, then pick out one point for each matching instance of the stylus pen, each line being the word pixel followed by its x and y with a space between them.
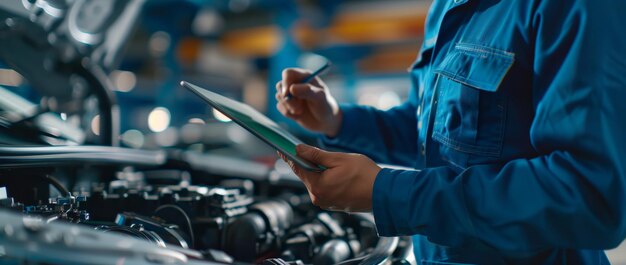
pixel 309 78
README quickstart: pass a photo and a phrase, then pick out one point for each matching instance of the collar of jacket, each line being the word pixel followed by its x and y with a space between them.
pixel 456 3
pixel 453 4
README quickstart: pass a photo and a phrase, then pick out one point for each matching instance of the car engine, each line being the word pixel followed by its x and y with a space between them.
pixel 170 220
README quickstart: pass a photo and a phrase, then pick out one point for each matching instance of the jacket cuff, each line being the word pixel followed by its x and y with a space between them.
pixel 390 194
pixel 349 128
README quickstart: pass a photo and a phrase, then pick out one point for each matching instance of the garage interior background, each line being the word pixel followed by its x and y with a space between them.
pixel 239 48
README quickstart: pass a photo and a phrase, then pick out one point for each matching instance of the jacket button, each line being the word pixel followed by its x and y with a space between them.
pixel 423 149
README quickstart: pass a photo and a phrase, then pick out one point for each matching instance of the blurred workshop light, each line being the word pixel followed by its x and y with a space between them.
pixel 159 43
pixel 9 77
pixel 95 125
pixel 368 99
pixel 207 22
pixel 383 101
pixel 196 121
pixel 168 137
pixel 220 116
pixel 133 138
pixel 124 81
pixel 159 119
pixel 387 100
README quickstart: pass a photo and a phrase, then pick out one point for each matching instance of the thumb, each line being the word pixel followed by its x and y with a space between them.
pixel 316 155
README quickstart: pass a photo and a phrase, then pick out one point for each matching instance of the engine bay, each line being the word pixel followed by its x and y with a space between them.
pixel 171 206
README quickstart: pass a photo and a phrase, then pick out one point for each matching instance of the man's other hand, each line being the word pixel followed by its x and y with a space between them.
pixel 345 185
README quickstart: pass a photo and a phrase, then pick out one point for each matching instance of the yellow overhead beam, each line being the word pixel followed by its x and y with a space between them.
pixel 353 27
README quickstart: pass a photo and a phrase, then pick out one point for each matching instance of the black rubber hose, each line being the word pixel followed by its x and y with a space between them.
pixel 58 185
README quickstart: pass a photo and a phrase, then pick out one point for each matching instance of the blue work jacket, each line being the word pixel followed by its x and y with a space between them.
pixel 516 123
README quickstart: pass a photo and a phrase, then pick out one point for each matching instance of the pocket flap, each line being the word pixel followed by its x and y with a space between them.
pixel 476 66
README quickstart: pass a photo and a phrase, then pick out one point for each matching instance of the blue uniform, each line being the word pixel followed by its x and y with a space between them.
pixel 517 120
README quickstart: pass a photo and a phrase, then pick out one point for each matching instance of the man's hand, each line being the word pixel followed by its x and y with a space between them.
pixel 310 105
pixel 345 185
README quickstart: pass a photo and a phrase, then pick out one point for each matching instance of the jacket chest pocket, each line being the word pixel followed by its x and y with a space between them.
pixel 470 112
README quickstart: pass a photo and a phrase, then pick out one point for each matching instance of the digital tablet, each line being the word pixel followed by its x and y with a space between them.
pixel 255 122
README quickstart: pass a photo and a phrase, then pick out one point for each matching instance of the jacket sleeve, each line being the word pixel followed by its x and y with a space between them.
pixel 385 136
pixel 573 195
